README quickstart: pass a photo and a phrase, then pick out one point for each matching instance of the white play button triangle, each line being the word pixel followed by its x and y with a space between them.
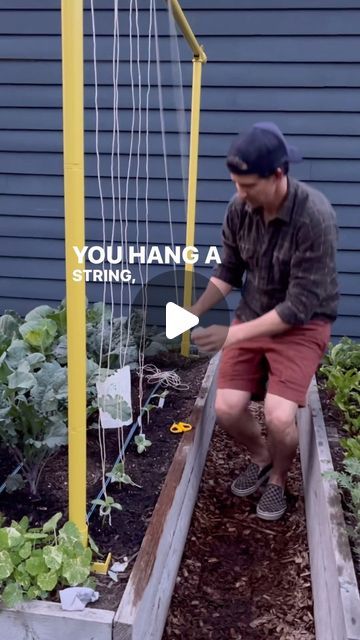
pixel 178 320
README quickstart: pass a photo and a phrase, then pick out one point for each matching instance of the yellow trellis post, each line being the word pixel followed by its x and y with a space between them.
pixel 198 60
pixel 73 127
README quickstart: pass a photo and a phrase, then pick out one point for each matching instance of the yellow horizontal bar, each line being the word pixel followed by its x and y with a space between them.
pixel 183 24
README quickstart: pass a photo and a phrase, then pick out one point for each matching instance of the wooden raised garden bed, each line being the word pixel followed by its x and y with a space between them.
pixel 142 611
pixel 334 585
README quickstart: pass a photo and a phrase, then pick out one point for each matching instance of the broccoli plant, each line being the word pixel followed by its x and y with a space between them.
pixel 33 414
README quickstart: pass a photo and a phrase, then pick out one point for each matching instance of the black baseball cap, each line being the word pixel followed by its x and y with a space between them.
pixel 260 150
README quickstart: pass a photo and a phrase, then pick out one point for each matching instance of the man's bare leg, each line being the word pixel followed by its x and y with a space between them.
pixel 234 417
pixel 282 435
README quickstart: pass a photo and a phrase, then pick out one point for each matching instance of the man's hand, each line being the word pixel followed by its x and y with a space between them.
pixel 211 339
pixel 217 336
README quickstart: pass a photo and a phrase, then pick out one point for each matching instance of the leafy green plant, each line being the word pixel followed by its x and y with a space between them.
pixel 109 338
pixel 351 447
pixel 341 369
pixel 33 385
pixel 34 561
pixel 33 411
pixel 142 443
pixel 117 474
pixel 349 482
pixel 345 354
pixel 105 507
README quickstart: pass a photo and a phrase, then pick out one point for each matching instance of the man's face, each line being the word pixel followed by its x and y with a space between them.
pixel 257 191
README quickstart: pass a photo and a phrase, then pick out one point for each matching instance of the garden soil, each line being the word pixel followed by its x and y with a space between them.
pixel 149 469
pixel 242 578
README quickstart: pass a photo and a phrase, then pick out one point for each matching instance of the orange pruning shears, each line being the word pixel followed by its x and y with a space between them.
pixel 180 427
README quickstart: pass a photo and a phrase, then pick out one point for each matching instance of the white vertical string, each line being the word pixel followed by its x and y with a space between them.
pixel 143 322
pixel 117 31
pixel 145 292
pixel 129 165
pixel 116 138
pixel 101 435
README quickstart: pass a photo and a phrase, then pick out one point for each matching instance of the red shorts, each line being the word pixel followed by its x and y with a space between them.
pixel 282 364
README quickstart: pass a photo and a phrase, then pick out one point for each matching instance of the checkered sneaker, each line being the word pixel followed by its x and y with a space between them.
pixel 272 504
pixel 250 480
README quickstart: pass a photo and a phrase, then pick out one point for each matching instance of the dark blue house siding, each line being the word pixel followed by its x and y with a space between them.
pixel 296 62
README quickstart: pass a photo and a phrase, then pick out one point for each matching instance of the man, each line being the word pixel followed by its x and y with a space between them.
pixel 282 234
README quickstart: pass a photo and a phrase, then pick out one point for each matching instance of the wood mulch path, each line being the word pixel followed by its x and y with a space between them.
pixel 242 578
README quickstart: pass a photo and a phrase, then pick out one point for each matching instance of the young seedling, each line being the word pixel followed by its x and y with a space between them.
pixel 117 474
pixel 105 508
pixel 142 443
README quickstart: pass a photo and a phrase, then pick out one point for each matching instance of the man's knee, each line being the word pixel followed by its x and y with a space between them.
pixel 278 420
pixel 279 413
pixel 230 404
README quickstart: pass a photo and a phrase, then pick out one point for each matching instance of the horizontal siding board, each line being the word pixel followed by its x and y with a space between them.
pixel 216 190
pixel 204 5
pixel 50 119
pixel 243 74
pixel 54 229
pixel 317 48
pixel 203 24
pixel 158 211
pixel 52 207
pixel 28 247
pixel 20 304
pixel 220 192
pixel 29 284
pixel 349 306
pixel 212 98
pixel 210 234
pixel 209 168
pixel 346 326
pixel 213 145
pixel 54 268
pixel 41 248
pixel 349 284
pixel 348 262
pixel 349 239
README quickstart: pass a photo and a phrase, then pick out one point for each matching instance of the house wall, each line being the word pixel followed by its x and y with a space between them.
pixel 296 62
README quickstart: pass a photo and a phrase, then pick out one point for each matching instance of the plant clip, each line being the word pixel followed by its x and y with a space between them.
pixel 180 427
pixel 101 567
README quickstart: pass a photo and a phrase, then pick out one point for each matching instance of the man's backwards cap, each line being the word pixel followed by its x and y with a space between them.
pixel 260 150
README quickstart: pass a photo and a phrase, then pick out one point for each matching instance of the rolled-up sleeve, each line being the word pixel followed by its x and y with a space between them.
pixel 232 267
pixel 311 266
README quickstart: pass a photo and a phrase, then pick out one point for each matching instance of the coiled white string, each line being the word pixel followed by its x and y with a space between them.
pixel 167 378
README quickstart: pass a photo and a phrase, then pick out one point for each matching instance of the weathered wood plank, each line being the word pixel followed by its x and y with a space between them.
pixel 148 593
pixel 47 621
pixel 335 591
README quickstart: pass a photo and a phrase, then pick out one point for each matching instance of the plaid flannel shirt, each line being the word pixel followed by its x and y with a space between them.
pixel 289 263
